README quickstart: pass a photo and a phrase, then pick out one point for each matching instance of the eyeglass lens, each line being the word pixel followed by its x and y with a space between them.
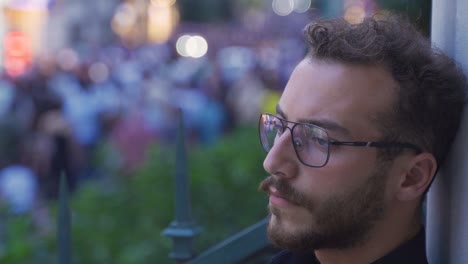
pixel 310 142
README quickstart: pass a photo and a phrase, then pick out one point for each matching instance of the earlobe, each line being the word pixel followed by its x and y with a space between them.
pixel 417 177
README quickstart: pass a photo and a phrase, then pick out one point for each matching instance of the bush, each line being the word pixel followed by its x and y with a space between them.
pixel 119 219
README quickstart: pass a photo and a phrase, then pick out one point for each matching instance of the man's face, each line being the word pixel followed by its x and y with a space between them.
pixel 334 206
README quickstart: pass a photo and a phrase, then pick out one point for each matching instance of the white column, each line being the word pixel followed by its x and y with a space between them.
pixel 447 205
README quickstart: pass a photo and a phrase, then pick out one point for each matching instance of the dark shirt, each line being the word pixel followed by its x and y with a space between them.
pixel 410 252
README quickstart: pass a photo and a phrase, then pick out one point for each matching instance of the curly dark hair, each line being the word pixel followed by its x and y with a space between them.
pixel 432 87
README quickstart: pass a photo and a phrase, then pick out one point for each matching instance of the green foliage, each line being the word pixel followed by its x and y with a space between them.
pixel 16 249
pixel 227 201
pixel 119 219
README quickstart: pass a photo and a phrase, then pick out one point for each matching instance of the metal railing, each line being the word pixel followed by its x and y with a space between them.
pixel 182 230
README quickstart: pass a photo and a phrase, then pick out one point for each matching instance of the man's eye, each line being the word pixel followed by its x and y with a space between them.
pixel 320 141
pixel 298 144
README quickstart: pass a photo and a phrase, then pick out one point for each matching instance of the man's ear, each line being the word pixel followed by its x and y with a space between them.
pixel 417 177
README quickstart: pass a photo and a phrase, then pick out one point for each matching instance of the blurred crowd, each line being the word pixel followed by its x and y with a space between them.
pixel 54 116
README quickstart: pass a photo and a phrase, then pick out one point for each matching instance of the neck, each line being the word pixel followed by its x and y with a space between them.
pixel 382 239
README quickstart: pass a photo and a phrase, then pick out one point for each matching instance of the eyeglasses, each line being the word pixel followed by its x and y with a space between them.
pixel 311 143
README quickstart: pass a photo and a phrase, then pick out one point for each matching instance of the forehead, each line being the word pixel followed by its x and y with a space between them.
pixel 349 95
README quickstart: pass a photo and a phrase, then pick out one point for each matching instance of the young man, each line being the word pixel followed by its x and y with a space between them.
pixel 362 127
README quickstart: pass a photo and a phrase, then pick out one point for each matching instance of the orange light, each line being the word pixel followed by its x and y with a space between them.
pixel 17 52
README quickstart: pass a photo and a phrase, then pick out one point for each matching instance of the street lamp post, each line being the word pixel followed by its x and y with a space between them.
pixel 183 228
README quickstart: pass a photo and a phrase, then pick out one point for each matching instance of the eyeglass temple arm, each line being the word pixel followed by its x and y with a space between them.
pixel 376 144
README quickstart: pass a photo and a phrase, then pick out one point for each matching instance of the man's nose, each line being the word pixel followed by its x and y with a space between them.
pixel 281 156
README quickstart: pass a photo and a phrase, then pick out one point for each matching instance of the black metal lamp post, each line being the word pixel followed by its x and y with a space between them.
pixel 64 224
pixel 183 228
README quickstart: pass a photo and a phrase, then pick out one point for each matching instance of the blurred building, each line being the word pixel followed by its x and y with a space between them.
pixel 44 27
pixel 40 27
pixel 23 22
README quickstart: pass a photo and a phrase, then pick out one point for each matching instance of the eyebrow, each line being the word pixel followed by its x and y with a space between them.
pixel 327 124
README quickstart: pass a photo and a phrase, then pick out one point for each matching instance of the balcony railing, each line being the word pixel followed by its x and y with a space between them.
pixel 246 246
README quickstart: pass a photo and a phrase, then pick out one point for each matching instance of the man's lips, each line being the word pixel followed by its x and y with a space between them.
pixel 277 199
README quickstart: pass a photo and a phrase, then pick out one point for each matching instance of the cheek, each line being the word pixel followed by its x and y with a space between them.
pixel 351 163
pixel 319 183
pixel 336 178
pixel 350 156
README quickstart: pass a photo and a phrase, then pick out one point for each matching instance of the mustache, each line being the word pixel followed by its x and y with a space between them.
pixel 285 189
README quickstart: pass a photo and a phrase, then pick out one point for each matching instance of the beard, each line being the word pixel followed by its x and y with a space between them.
pixel 342 221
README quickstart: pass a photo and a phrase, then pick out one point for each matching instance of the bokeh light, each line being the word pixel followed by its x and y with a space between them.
pixel 67 59
pixel 197 46
pixel 283 7
pixel 301 6
pixel 355 14
pixel 163 17
pixel 192 46
pixel 124 19
pixel 181 45
pixel 98 72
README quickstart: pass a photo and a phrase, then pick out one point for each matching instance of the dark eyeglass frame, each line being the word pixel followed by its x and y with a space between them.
pixel 375 144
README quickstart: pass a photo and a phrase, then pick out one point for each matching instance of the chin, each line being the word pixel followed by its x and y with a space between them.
pixel 293 231
pixel 286 222
pixel 286 234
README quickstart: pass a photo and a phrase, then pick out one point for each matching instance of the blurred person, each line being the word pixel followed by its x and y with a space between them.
pixel 65 156
pixel 7 96
pixel 129 76
pixel 54 148
pixel 20 188
pixel 18 182
pixel 215 112
pixel 243 89
pixel 192 92
pixel 157 107
pixel 22 106
pixel 364 123
pixel 193 104
pixel 82 104
pixel 246 98
pixel 132 137
pixel 81 108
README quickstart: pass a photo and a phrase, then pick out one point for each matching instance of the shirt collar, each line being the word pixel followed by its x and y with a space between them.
pixel 411 252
